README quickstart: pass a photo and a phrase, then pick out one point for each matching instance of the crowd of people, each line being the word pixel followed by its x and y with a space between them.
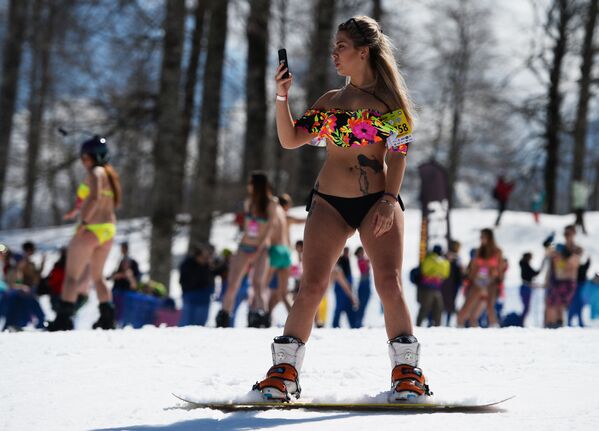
pixel 205 278
pixel 566 286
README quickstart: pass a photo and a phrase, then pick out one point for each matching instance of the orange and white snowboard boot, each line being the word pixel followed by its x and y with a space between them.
pixel 407 380
pixel 282 379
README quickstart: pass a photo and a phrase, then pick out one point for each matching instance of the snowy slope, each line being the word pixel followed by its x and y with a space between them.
pixel 86 380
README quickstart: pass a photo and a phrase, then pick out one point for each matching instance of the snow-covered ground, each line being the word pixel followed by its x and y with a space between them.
pixel 86 380
pixel 122 380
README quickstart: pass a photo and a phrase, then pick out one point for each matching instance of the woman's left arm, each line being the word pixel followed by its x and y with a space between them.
pixel 396 167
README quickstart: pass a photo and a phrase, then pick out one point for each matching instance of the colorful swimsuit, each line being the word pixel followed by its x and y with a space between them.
pixel 252 230
pixel 103 231
pixel 279 256
pixel 354 129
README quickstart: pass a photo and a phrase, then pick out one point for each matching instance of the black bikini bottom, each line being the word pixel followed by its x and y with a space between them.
pixel 353 210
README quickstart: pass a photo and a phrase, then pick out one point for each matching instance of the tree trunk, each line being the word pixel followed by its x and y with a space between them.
pixel 318 82
pixel 168 149
pixel 40 82
pixel 584 94
pixel 460 66
pixel 278 161
pixel 553 122
pixel 594 206
pixel 206 167
pixel 192 70
pixel 255 131
pixel 377 10
pixel 9 80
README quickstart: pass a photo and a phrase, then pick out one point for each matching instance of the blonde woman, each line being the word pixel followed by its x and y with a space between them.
pixel 366 127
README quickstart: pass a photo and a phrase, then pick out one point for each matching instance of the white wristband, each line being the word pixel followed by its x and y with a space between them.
pixel 281 98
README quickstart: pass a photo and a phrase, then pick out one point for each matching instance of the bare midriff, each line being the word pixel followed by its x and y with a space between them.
pixel 353 172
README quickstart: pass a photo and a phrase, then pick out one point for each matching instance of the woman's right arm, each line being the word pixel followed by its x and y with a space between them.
pixel 289 136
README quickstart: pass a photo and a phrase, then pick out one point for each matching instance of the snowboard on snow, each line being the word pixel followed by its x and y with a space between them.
pixel 408 406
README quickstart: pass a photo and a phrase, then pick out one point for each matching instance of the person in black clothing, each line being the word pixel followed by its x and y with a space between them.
pixel 197 282
pixel 345 301
pixel 527 274
pixel 453 284
pixel 127 275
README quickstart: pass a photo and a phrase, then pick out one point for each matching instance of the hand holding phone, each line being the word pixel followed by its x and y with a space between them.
pixel 283 61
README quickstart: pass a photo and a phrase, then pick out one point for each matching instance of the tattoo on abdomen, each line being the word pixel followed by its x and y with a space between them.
pixel 363 181
pixel 373 163
pixel 363 163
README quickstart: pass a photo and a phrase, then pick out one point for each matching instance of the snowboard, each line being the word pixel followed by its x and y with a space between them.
pixel 424 407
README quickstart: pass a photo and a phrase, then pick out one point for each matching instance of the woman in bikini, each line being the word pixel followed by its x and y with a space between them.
pixel 485 275
pixel 366 127
pixel 98 196
pixel 260 211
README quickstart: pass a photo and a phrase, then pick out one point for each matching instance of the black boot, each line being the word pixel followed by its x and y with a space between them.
pixel 106 320
pixel 258 319
pixel 64 317
pixel 223 319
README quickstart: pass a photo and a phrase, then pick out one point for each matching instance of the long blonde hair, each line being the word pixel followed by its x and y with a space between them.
pixel 365 31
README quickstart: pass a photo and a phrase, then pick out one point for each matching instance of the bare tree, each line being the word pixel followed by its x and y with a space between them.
pixel 9 80
pixel 169 148
pixel 459 42
pixel 202 201
pixel 318 83
pixel 584 93
pixel 278 150
pixel 43 23
pixel 377 10
pixel 559 20
pixel 192 68
pixel 255 135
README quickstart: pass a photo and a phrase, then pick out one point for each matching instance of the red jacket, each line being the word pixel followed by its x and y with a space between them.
pixel 55 280
pixel 503 190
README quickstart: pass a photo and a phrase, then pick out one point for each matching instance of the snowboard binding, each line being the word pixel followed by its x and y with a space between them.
pixel 274 386
pixel 408 383
pixel 282 379
pixel 407 380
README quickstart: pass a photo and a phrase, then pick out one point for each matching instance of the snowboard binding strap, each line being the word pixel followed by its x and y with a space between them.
pixel 275 378
pixel 408 378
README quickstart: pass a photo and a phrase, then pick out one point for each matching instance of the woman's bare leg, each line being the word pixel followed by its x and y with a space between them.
pixel 238 267
pixel 280 292
pixel 96 266
pixel 79 254
pixel 325 235
pixel 259 280
pixel 386 254
pixel 491 301
pixel 472 300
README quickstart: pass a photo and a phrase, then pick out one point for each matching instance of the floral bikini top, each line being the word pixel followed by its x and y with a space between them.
pixel 358 128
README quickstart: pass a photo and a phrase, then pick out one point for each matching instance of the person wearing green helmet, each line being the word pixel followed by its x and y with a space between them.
pixel 98 196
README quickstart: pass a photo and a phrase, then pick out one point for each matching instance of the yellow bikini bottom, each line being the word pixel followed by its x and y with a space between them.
pixel 103 231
